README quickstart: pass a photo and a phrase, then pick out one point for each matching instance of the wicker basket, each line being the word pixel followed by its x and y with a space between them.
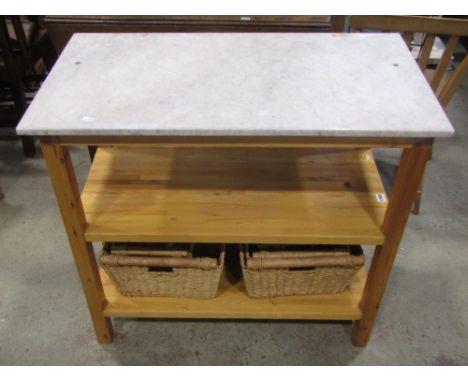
pixel 271 271
pixel 193 271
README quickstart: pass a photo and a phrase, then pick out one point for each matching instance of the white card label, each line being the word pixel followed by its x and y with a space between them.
pixel 381 198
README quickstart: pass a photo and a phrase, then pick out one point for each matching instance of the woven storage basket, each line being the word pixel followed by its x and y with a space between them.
pixel 271 271
pixel 194 275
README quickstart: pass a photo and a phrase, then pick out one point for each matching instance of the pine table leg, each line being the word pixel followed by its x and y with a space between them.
pixel 408 179
pixel 69 201
pixel 417 201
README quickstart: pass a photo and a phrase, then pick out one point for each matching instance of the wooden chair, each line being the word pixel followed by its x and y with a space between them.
pixel 444 82
pixel 28 54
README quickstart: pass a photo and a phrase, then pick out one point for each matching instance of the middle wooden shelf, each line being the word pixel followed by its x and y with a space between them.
pixel 234 195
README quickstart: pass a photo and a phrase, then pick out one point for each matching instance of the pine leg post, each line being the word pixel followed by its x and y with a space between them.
pixel 69 201
pixel 408 179
pixel 417 201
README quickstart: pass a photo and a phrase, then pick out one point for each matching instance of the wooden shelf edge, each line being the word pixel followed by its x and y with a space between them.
pixel 287 239
pixel 233 303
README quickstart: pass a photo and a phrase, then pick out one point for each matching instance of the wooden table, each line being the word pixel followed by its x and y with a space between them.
pixel 236 138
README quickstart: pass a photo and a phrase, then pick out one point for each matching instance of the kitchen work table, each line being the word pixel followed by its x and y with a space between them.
pixel 236 138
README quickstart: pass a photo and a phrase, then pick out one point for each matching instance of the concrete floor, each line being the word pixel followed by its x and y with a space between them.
pixel 423 318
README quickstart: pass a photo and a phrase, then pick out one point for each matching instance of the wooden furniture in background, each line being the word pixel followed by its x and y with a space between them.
pixel 28 55
pixel 61 28
pixel 443 81
pixel 13 77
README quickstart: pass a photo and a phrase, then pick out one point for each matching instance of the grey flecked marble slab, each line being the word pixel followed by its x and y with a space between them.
pixel 227 84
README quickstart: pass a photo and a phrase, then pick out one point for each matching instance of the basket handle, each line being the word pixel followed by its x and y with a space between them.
pixel 296 254
pixel 264 263
pixel 176 262
pixel 145 251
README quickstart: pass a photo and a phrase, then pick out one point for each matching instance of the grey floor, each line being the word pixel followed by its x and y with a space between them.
pixel 423 318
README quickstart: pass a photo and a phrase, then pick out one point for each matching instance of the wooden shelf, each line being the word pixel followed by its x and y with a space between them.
pixel 234 195
pixel 233 303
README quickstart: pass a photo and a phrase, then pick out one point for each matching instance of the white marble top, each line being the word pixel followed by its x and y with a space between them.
pixel 228 84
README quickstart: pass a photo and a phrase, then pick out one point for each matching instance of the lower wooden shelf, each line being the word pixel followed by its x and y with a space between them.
pixel 233 303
